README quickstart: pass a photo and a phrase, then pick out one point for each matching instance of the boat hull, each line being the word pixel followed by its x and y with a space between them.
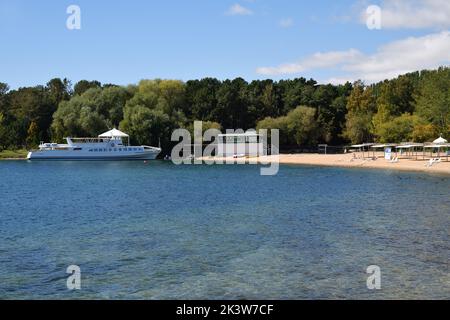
pixel 74 156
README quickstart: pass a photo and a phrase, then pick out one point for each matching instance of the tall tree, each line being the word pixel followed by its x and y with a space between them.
pixel 232 105
pixel 84 85
pixel 155 111
pixel 95 110
pixel 201 100
pixel 32 104
pixel 361 106
pixel 433 99
pixel 59 90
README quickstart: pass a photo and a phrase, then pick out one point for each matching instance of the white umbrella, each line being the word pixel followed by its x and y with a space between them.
pixel 113 133
pixel 440 140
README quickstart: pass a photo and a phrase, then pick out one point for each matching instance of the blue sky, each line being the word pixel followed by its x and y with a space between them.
pixel 124 41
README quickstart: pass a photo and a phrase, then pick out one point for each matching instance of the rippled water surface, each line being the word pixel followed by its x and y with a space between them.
pixel 160 231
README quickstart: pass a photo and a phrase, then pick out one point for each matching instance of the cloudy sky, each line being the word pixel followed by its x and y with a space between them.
pixel 125 41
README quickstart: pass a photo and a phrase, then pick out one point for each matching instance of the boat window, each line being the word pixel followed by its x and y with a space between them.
pixel 77 149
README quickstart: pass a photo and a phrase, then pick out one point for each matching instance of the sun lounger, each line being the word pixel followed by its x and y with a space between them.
pixel 431 162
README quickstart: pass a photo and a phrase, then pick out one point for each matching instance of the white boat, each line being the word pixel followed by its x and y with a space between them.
pixel 108 146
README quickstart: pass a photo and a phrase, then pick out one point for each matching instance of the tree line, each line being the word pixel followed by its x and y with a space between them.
pixel 411 107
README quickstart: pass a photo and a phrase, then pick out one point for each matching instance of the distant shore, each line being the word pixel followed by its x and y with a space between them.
pixel 334 160
pixel 20 154
pixel 348 161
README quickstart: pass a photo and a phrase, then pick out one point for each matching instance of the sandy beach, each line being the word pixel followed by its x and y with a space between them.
pixel 347 161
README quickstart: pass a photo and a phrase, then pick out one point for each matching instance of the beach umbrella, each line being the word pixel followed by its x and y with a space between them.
pixel 440 140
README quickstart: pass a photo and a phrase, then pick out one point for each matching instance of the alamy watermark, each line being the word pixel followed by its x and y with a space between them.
pixel 374 278
pixel 373 17
pixel 373 281
pixel 234 147
pixel 73 21
pixel 74 280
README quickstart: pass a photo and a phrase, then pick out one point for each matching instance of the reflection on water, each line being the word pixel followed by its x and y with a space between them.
pixel 160 231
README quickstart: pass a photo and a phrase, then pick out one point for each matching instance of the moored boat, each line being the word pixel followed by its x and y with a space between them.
pixel 107 146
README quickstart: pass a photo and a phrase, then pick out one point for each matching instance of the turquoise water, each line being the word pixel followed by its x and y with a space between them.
pixel 160 231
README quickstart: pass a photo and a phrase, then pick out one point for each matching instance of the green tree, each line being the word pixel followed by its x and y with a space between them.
pixel 394 98
pixel 303 126
pixel 433 99
pixel 399 129
pixel 360 109
pixel 84 85
pixel 33 134
pixel 201 100
pixel 264 100
pixel 31 104
pixel 299 127
pixel 232 105
pixel 424 132
pixel 90 113
pixel 280 124
pixel 11 131
pixel 155 111
pixel 58 90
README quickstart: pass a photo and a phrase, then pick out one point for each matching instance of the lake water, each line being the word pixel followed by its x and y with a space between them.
pixel 160 231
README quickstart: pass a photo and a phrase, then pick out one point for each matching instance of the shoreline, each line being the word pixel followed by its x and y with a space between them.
pixel 334 160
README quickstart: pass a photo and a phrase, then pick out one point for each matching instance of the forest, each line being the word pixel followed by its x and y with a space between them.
pixel 411 107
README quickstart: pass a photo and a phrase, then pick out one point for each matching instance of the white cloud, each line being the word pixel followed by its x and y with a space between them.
pixel 286 23
pixel 395 58
pixel 413 14
pixel 338 80
pixel 389 61
pixel 238 10
pixel 317 60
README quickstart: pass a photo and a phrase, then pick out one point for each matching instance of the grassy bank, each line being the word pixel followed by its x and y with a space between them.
pixel 13 154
